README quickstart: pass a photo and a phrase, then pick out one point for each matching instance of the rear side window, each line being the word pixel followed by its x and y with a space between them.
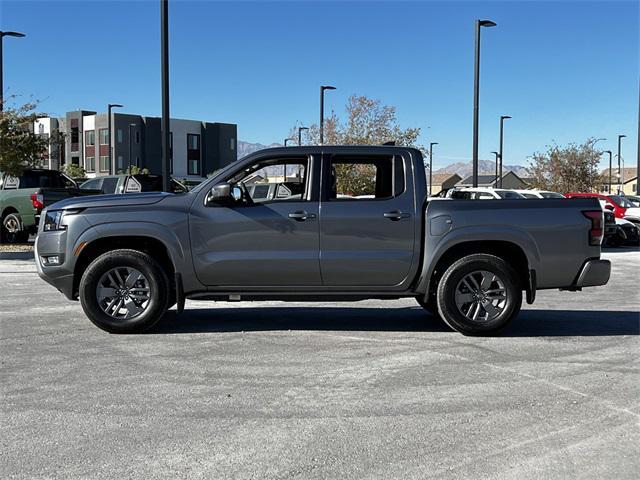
pixel 366 178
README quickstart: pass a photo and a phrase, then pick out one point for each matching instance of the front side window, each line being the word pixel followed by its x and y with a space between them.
pixel 104 136
pixel 274 180
pixel 365 178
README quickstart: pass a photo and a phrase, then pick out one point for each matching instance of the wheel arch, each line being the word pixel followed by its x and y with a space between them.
pixel 512 252
pixel 153 246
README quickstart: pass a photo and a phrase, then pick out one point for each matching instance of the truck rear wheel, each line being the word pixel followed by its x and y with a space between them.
pixel 11 229
pixel 479 294
pixel 124 291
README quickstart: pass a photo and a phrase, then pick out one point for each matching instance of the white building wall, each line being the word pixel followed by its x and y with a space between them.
pixel 89 123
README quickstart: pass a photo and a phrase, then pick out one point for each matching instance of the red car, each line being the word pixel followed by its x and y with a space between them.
pixel 613 203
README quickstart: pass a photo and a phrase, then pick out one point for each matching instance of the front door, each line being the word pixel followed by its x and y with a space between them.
pixel 368 221
pixel 269 238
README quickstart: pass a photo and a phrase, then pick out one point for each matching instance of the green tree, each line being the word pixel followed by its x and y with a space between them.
pixel 566 169
pixel 20 147
pixel 73 170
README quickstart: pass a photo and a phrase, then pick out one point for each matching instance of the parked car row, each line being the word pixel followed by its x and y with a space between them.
pixel 23 198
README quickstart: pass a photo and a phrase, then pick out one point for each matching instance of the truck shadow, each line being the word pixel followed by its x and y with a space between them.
pixel 530 323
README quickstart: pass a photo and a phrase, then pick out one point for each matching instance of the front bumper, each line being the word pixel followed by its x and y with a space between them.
pixel 60 276
pixel 594 272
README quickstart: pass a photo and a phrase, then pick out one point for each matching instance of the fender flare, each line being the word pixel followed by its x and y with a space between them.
pixel 436 247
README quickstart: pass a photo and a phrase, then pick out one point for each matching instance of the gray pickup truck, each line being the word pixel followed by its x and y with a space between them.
pixel 338 223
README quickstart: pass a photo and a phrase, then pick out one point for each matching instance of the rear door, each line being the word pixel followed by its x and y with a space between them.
pixel 368 220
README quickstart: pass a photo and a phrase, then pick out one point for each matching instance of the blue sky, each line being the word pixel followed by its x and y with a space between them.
pixel 564 71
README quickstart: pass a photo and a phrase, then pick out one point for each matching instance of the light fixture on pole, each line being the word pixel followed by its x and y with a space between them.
pixel 300 135
pixel 110 107
pixel 476 96
pixel 287 140
pixel 2 35
pixel 500 153
pixel 322 89
pixel 431 165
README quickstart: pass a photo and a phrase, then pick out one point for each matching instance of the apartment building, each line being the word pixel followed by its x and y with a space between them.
pixel 196 148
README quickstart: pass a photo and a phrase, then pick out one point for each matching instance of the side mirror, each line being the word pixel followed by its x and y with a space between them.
pixel 224 194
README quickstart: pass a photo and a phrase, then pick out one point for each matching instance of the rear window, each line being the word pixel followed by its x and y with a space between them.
pixel 366 178
pixel 44 179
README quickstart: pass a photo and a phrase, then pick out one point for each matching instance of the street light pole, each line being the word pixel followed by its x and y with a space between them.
pixel 610 167
pixel 431 165
pixel 476 96
pixel 502 119
pixel 287 140
pixel 497 154
pixel 2 35
pixel 300 135
pixel 620 172
pixel 109 108
pixel 164 40
pixel 322 89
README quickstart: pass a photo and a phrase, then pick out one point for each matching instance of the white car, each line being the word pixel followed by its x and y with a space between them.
pixel 539 194
pixel 483 193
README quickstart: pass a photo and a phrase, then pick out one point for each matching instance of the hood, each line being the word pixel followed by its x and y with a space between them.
pixel 127 199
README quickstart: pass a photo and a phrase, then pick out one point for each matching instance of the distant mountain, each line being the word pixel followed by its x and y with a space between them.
pixel 245 148
pixel 485 167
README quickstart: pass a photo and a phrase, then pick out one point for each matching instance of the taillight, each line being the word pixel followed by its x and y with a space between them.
pixel 596 231
pixel 37 200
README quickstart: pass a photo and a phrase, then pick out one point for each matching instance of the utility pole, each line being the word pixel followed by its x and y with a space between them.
pixel 476 96
pixel 502 119
pixel 164 40
pixel 2 35
pixel 431 165
pixel 322 89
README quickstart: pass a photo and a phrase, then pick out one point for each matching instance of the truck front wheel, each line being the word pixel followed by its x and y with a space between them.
pixel 124 291
pixel 479 294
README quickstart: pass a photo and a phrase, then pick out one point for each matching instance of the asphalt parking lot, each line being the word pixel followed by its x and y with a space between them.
pixel 375 389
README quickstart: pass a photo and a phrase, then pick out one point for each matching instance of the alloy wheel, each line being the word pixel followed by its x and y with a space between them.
pixel 123 293
pixel 481 296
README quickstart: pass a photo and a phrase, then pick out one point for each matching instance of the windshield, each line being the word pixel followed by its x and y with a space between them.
pixel 508 195
pixel 621 201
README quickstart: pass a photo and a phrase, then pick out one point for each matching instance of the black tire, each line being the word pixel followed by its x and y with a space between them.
pixel 6 236
pixel 158 284
pixel 461 269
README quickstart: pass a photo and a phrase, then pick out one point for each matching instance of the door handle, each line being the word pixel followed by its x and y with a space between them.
pixel 396 215
pixel 301 215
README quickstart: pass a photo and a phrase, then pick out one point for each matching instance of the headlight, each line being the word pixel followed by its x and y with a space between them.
pixel 53 219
